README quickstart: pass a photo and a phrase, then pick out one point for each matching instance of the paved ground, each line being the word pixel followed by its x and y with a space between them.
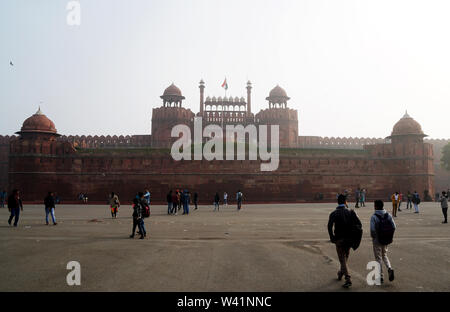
pixel 261 248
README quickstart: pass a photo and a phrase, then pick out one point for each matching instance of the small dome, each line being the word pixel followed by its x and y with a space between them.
pixel 38 123
pixel 236 99
pixel 172 90
pixel 407 126
pixel 208 99
pixel 278 92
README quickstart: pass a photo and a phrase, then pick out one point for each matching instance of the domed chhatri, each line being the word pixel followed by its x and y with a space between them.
pixel 172 90
pixel 278 92
pixel 407 130
pixel 38 123
pixel 407 126
pixel 172 96
pixel 277 98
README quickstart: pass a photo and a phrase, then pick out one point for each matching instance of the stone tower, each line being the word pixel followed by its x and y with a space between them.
pixel 278 113
pixel 172 113
pixel 413 156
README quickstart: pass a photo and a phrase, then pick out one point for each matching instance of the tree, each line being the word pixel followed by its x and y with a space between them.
pixel 445 160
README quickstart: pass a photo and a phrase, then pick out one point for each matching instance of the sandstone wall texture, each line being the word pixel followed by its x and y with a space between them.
pixel 36 167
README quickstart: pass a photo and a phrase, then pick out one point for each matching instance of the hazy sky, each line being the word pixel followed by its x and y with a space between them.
pixel 351 68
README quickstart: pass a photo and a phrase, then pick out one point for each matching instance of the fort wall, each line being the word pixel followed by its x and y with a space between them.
pixel 303 174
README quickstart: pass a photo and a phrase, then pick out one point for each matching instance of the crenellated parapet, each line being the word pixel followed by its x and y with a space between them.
pixel 337 142
pixel 108 141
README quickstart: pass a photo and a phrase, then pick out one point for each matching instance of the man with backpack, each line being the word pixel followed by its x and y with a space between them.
pixel 139 212
pixel 382 228
pixel 347 234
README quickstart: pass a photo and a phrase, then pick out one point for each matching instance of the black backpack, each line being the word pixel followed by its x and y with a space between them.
pixel 385 229
pixel 356 231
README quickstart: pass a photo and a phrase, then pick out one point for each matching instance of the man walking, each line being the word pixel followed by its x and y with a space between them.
pixel 343 220
pixel 196 200
pixel 49 203
pixel 175 202
pixel 225 199
pixel 186 201
pixel 15 206
pixel 239 197
pixel 444 205
pixel 138 215
pixel 357 194
pixel 394 199
pixel 409 196
pixel 416 201
pixel 216 202
pixel 382 229
pixel 169 203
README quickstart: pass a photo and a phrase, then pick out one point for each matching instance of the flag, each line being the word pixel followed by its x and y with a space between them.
pixel 225 84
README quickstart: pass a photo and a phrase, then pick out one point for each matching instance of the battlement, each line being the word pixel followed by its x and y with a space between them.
pixel 337 142
pixel 276 113
pixel 5 139
pixel 171 113
pixel 107 141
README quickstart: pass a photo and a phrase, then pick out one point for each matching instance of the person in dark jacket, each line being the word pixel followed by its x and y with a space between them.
pixel 175 202
pixel 138 218
pixel 216 202
pixel 169 203
pixel 196 200
pixel 444 205
pixel 342 219
pixel 49 203
pixel 14 206
pixel 186 201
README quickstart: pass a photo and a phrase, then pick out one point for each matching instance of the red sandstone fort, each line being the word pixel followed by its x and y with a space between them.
pixel 311 168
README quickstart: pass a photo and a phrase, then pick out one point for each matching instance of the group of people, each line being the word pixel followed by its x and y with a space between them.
pixel 239 199
pixel 180 199
pixel 345 231
pixel 360 197
pixel 412 199
pixel 83 198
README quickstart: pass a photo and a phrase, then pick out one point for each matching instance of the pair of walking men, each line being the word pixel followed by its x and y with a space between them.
pixel 345 230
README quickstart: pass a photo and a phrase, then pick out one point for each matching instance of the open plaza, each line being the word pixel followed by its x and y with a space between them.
pixel 263 247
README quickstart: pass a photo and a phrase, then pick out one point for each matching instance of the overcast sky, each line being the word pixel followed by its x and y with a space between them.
pixel 351 68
